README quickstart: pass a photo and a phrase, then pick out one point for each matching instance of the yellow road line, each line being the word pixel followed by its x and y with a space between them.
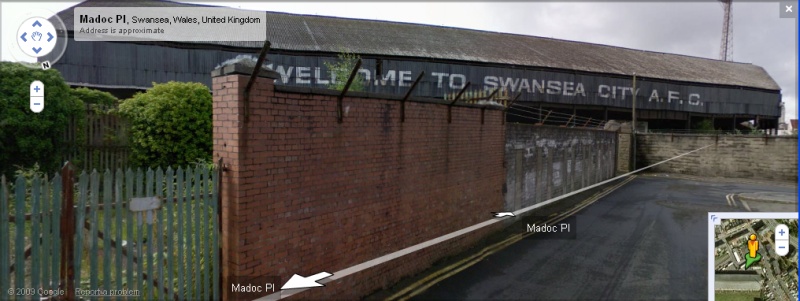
pixel 725 180
pixel 425 283
pixel 445 269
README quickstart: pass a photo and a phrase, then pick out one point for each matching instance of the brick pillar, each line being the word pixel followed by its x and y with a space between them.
pixel 230 134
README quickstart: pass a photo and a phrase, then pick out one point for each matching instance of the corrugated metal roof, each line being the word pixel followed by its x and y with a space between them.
pixel 294 32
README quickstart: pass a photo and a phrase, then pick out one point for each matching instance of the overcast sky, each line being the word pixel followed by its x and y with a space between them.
pixel 760 37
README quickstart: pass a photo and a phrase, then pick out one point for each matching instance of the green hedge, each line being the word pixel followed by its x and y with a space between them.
pixel 27 138
pixel 94 96
pixel 170 124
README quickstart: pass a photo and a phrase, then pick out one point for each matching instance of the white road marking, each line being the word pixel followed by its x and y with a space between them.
pixel 744 204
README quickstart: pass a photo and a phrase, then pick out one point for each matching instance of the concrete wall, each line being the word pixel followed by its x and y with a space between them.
pixel 624 152
pixel 624 148
pixel 543 162
pixel 729 156
pixel 304 194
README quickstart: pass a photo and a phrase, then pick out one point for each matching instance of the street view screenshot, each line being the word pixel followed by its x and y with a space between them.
pixel 266 150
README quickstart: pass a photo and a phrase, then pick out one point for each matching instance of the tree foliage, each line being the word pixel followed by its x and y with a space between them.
pixel 28 138
pixel 170 124
pixel 341 70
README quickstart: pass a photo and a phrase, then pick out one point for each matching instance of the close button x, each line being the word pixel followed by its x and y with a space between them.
pixel 788 8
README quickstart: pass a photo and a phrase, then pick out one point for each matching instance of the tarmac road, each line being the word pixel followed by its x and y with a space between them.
pixel 644 241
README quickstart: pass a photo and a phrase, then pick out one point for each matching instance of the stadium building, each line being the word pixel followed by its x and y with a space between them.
pixel 589 80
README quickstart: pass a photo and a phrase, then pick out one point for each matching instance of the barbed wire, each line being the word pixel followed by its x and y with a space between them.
pixel 561 122
pixel 558 118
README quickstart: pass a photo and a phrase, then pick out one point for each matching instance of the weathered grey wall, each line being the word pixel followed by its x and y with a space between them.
pixel 543 162
pixel 624 148
pixel 624 144
pixel 773 158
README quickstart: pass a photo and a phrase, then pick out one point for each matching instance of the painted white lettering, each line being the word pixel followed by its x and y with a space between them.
pixel 366 73
pixel 509 82
pixel 579 90
pixel 538 85
pixel 489 82
pixel 303 75
pixel 390 76
pixel 602 91
pixel 569 89
pixel 439 76
pixel 318 76
pixel 672 95
pixel 553 87
pixel 524 85
pixel 285 73
pixel 404 80
pixel 462 79
pixel 694 99
pixel 653 96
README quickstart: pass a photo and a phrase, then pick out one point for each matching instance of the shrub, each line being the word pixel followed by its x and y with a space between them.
pixel 170 124
pixel 341 70
pixel 92 96
pixel 27 138
pixel 704 126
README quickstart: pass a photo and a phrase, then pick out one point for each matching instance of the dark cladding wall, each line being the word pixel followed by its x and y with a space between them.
pixel 543 162
pixel 303 193
pixel 729 156
pixel 98 63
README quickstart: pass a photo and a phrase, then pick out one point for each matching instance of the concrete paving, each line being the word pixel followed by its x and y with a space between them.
pixel 644 241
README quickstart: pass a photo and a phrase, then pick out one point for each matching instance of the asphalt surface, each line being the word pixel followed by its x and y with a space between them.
pixel 644 241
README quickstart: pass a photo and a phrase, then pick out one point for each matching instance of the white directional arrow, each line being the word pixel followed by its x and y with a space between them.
pixel 503 214
pixel 298 281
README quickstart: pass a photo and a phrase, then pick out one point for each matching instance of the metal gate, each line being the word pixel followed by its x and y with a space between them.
pixel 111 235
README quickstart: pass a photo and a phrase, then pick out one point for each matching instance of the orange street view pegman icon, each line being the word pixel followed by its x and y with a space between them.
pixel 753 256
pixel 752 245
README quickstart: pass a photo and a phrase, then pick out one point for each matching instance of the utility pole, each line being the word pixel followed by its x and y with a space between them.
pixel 633 111
pixel 633 121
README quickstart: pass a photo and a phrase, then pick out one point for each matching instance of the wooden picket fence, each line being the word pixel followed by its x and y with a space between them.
pixel 106 140
pixel 137 234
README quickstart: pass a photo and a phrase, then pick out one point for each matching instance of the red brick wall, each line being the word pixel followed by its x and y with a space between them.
pixel 304 194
